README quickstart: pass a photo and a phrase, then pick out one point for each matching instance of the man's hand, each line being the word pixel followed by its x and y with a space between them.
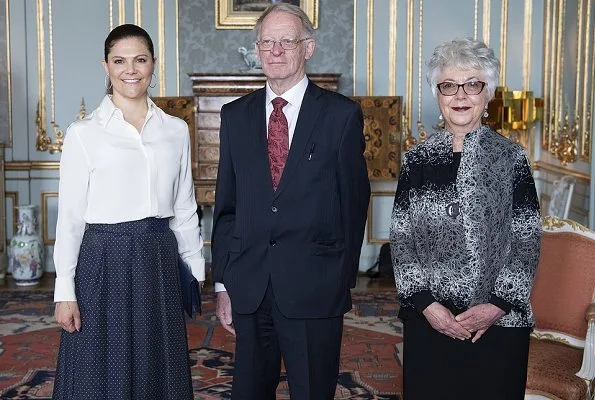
pixel 479 318
pixel 224 312
pixel 68 316
pixel 444 321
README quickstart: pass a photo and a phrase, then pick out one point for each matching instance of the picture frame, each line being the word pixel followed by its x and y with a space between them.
pixel 379 215
pixel 243 14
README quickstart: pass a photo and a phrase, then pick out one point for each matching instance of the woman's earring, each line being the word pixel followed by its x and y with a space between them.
pixel 485 113
pixel 440 117
pixel 107 82
pixel 153 81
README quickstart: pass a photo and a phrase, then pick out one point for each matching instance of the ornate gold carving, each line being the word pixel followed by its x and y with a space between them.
pixel 550 223
pixel 44 141
pixel 382 133
pixel 409 140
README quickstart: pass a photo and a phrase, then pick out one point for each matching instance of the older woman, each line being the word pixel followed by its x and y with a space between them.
pixel 465 236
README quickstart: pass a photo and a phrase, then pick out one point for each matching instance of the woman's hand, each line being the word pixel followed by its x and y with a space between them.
pixel 479 318
pixel 444 321
pixel 68 316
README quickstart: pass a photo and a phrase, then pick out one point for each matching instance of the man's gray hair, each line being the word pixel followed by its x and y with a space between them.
pixel 307 26
pixel 464 53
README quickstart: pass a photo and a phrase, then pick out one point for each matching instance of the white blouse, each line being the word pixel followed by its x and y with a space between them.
pixel 109 173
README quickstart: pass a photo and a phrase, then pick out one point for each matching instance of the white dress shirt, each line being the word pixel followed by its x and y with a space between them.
pixel 294 97
pixel 109 173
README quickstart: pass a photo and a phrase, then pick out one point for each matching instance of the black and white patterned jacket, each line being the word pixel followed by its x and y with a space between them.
pixel 468 236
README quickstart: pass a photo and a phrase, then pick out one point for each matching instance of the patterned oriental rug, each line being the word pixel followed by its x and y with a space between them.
pixel 371 356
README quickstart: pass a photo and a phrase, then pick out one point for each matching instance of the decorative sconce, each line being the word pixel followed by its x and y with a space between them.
pixel 44 142
pixel 514 113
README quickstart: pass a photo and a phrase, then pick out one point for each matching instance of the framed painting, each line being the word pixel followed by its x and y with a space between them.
pixel 242 14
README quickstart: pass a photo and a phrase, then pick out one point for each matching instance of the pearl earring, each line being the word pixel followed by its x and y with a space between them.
pixel 440 117
pixel 485 113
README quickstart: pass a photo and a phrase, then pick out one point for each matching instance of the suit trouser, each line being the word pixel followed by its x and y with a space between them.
pixel 310 349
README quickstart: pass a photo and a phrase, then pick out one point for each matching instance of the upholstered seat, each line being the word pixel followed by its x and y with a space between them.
pixel 562 349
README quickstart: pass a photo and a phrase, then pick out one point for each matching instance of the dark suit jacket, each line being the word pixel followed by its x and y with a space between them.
pixel 306 237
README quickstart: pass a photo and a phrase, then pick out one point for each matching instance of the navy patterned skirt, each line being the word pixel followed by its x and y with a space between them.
pixel 132 343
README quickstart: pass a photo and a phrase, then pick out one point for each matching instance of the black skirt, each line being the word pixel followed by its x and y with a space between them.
pixel 132 343
pixel 436 366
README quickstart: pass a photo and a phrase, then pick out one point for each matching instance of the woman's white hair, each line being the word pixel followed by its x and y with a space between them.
pixel 465 53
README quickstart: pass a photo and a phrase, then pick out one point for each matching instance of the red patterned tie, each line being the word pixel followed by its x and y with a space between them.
pixel 278 141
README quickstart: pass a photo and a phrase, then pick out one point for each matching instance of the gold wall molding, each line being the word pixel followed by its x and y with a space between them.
pixel 503 41
pixel 8 74
pixel 392 48
pixel 121 12
pixel 30 165
pixel 420 128
pixel 486 21
pixel 177 11
pixel 138 12
pixel 161 39
pixel 409 139
pixel 370 222
pixel 567 131
pixel 44 218
pixel 556 169
pixel 370 53
pixel 43 141
pixel 111 14
pixel 14 196
pixel 475 18
pixel 527 25
pixel 354 46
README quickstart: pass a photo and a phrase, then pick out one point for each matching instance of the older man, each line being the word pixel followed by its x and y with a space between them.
pixel 290 209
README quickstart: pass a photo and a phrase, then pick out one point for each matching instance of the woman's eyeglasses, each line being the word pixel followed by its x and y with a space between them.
pixel 451 88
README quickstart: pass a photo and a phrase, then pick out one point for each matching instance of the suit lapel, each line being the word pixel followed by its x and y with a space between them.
pixel 309 111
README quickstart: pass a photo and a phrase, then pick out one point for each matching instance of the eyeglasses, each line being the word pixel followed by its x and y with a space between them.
pixel 286 44
pixel 451 88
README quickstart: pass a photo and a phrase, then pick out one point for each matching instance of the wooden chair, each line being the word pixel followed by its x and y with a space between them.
pixel 562 348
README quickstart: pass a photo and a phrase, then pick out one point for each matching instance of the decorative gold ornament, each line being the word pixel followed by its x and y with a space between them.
pixel 513 114
pixel 410 141
pixel 44 141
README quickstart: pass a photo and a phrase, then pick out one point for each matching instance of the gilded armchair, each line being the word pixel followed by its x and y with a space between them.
pixel 562 348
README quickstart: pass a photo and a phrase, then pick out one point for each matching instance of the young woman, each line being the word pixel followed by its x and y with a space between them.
pixel 126 214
